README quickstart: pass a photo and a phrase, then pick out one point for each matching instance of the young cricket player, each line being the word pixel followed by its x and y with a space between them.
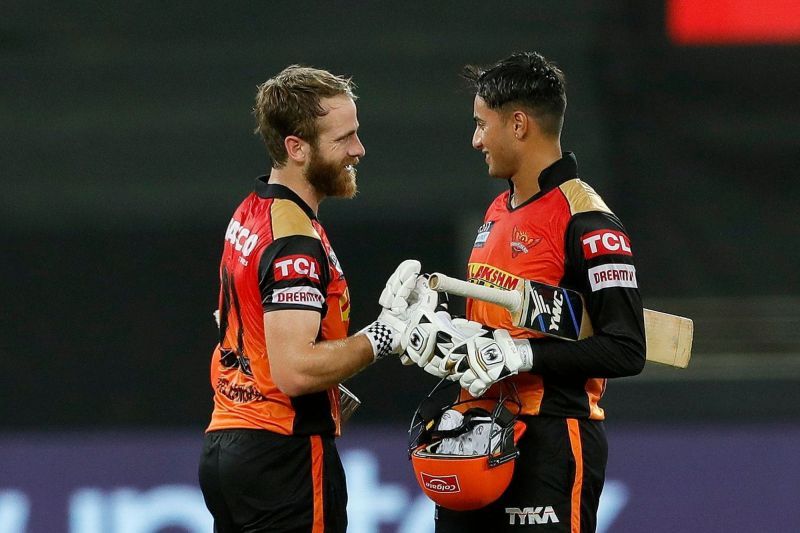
pixel 552 227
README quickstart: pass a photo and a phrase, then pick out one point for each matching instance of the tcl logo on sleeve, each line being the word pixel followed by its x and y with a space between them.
pixel 296 266
pixel 605 241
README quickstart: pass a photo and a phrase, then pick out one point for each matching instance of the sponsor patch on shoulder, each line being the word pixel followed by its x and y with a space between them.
pixel 612 275
pixel 308 296
pixel 483 234
pixel 605 242
pixel 296 266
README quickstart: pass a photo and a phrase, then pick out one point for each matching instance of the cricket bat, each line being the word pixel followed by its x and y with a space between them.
pixel 349 402
pixel 560 312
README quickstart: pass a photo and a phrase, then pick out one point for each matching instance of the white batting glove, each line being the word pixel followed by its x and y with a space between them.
pixel 482 360
pixel 430 336
pixel 423 302
pixel 384 334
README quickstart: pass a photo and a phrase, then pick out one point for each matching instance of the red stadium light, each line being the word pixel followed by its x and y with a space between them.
pixel 733 22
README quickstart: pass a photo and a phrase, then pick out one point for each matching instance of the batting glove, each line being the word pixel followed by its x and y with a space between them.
pixel 485 358
pixel 431 335
pixel 384 334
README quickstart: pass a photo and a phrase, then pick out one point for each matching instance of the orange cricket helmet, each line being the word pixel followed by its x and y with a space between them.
pixel 445 474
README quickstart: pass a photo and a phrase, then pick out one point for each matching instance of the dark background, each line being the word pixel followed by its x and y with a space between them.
pixel 126 142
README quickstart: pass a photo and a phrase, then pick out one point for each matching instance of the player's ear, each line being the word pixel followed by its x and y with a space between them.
pixel 520 123
pixel 297 149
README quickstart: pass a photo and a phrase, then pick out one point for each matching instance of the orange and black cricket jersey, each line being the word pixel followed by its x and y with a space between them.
pixel 276 256
pixel 564 235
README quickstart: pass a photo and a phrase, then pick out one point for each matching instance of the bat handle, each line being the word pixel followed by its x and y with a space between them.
pixel 511 300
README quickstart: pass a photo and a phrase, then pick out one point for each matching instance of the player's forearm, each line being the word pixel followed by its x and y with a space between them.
pixel 600 356
pixel 323 365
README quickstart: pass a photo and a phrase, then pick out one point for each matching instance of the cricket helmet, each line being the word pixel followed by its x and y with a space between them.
pixel 463 451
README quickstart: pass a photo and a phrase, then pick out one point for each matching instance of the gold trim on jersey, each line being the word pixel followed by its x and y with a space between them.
pixel 289 219
pixel 490 276
pixel 581 197
pixel 344 305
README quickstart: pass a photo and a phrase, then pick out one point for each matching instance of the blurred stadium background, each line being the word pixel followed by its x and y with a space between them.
pixel 126 144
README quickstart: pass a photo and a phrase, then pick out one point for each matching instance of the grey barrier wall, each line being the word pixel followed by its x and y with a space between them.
pixel 701 478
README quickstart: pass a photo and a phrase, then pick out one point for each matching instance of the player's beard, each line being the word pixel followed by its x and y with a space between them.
pixel 332 179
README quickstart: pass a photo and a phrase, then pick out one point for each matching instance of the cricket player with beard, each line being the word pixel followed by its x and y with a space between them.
pixel 269 461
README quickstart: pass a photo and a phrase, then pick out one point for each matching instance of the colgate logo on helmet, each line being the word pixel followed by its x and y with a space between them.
pixel 445 484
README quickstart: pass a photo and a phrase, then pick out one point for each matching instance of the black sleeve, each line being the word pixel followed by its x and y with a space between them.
pixel 293 274
pixel 599 264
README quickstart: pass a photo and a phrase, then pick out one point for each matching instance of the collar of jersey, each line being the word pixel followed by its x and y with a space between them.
pixel 274 190
pixel 562 170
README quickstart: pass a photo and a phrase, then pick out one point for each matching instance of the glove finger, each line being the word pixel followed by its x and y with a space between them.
pixel 422 296
pixel 467 379
pixel 405 288
pixel 432 368
pixel 387 295
pixel 477 388
pixel 406 360
pixel 467 328
pixel 408 269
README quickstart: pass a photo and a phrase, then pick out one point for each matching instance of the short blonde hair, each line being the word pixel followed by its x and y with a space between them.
pixel 289 104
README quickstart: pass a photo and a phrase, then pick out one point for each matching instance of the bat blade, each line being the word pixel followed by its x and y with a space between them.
pixel 669 338
pixel 559 312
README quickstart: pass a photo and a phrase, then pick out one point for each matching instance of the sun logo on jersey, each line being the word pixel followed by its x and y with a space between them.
pixel 521 243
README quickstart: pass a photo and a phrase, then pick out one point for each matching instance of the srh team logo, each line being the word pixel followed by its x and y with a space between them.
pixel 521 242
pixel 604 242
pixel 445 484
pixel 296 266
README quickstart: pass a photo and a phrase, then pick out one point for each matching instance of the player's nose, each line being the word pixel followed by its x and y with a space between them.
pixel 358 150
pixel 477 141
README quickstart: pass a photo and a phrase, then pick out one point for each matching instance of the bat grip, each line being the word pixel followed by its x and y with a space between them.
pixel 511 300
